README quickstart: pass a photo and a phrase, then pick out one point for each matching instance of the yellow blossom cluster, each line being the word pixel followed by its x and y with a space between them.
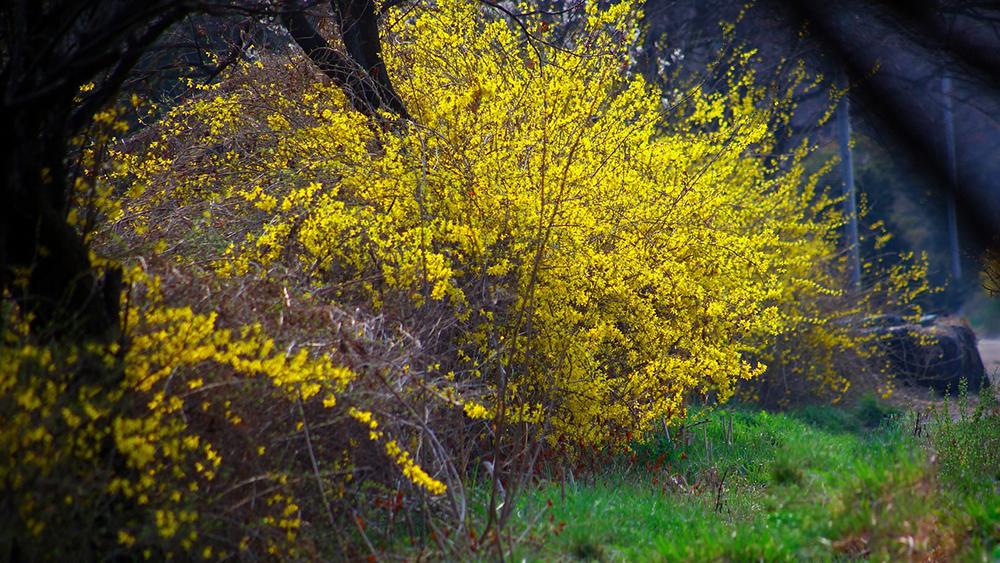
pixel 411 470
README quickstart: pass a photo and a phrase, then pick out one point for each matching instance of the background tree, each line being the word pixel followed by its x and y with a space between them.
pixel 360 71
pixel 51 52
pixel 894 54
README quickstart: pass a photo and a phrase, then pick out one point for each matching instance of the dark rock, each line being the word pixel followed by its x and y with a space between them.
pixel 937 352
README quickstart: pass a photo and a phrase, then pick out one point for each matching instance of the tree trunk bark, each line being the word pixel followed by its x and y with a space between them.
pixel 362 74
pixel 44 263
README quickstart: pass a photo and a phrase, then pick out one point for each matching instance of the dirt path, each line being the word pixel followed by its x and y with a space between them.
pixel 990 352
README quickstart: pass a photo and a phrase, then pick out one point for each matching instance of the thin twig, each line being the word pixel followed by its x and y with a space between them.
pixel 319 479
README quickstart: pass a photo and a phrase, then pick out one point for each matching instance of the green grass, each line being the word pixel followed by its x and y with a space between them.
pixel 866 415
pixel 813 485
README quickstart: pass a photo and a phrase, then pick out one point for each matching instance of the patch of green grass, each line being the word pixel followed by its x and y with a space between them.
pixel 866 414
pixel 758 486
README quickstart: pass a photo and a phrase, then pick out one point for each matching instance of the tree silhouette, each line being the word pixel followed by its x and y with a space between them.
pixel 51 51
pixel 65 61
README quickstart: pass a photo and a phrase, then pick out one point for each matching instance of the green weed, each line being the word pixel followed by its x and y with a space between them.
pixel 968 444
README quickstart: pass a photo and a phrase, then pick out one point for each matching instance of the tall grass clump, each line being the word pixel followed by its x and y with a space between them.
pixel 967 443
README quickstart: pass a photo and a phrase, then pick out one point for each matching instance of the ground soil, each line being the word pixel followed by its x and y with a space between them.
pixel 989 350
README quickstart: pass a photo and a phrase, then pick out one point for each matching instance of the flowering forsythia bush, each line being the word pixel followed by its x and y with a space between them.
pixel 172 440
pixel 595 265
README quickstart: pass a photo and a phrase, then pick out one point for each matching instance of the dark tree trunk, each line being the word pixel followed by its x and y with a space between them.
pixel 358 21
pixel 63 293
pixel 362 73
pixel 50 50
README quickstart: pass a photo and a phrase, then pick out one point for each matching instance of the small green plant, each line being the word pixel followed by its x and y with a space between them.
pixel 872 413
pixel 588 550
pixel 967 445
pixel 786 470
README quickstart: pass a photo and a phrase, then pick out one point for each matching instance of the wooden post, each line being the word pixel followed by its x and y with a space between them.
pixel 949 143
